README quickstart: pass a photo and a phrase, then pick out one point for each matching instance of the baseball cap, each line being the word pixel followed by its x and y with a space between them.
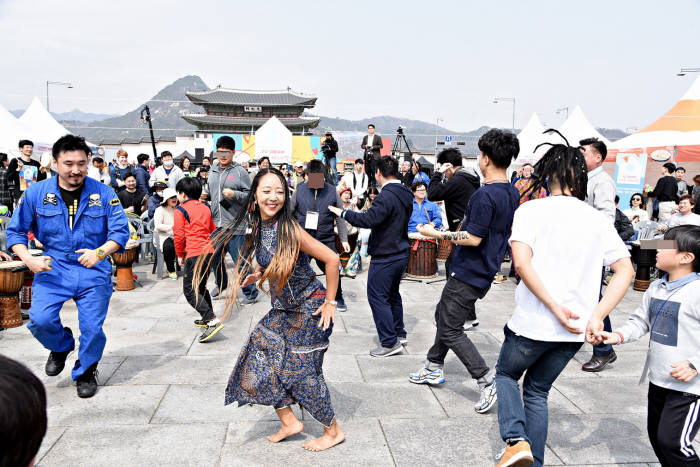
pixel 298 164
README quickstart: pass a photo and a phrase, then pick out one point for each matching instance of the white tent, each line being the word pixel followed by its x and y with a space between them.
pixel 577 127
pixel 11 131
pixel 529 137
pixel 45 129
pixel 274 140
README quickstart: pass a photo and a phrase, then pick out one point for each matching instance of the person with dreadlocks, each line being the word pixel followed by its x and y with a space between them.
pixel 281 362
pixel 557 298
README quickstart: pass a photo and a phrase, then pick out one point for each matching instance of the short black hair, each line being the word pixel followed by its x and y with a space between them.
pixel 264 158
pixel 207 158
pixel 388 167
pixel 688 239
pixel 22 413
pixel 680 168
pixel 3 157
pixel 417 185
pixel 500 146
pixel 226 142
pixel 25 142
pixel 166 154
pixel 371 125
pixel 190 187
pixel 315 166
pixel 525 165
pixel 670 166
pixel 450 155
pixel 141 158
pixel 127 175
pixel 98 159
pixel 359 161
pixel 597 144
pixel 69 143
pixel 617 199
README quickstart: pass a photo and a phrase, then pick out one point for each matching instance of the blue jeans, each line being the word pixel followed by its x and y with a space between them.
pixel 527 419
pixel 233 247
pixel 334 168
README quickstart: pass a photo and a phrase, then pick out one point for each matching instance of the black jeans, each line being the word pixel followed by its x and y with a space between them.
pixel 370 169
pixel 199 299
pixel 322 266
pixel 455 307
pixel 169 255
pixel 671 425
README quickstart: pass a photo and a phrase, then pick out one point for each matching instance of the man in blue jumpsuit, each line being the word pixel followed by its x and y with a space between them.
pixel 80 222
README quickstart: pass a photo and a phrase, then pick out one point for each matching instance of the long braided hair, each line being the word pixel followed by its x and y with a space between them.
pixel 285 256
pixel 562 164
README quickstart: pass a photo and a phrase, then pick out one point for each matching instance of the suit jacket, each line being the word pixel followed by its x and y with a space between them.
pixel 376 145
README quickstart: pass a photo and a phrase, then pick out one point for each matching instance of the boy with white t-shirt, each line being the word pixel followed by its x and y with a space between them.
pixel 557 298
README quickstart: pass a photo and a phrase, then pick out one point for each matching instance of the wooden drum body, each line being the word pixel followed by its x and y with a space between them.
pixel 352 240
pixel 645 259
pixel 422 258
pixel 444 250
pixel 10 285
pixel 125 275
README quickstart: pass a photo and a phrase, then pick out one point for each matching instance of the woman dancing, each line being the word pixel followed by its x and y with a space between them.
pixel 281 362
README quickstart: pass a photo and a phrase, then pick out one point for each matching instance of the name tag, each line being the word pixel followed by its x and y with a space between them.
pixel 311 220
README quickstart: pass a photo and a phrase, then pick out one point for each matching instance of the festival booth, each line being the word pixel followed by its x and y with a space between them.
pixel 529 138
pixel 577 127
pixel 11 131
pixel 674 137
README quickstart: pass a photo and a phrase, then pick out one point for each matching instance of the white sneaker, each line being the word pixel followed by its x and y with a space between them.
pixel 487 399
pixel 470 325
pixel 427 376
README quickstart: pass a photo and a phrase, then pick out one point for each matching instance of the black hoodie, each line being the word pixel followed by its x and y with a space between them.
pixel 455 192
pixel 388 218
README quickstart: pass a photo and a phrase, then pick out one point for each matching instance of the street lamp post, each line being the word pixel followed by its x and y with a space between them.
pixel 686 70
pixel 55 83
pixel 496 100
pixel 437 124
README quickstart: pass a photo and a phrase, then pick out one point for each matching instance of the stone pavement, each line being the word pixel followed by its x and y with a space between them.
pixel 161 399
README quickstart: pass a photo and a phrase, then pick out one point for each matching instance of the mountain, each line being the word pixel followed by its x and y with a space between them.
pixel 165 107
pixel 74 115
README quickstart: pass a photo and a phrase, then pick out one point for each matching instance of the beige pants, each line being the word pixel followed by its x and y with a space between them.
pixel 666 210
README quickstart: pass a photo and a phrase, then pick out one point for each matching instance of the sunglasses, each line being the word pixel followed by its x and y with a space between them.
pixel 636 199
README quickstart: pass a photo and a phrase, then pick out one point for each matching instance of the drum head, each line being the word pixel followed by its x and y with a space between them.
pixel 418 236
pixel 36 252
pixel 10 264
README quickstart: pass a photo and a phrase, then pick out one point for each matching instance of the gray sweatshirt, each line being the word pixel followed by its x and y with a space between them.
pixel 675 336
pixel 601 192
pixel 236 178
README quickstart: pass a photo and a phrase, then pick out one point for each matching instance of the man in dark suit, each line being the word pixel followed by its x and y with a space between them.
pixel 372 145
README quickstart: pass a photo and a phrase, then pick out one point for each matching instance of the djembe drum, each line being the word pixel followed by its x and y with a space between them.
pixel 422 258
pixel 645 259
pixel 444 250
pixel 10 284
pixel 125 275
pixel 352 241
pixel 25 294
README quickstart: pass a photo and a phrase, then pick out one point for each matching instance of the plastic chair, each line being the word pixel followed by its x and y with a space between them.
pixel 160 260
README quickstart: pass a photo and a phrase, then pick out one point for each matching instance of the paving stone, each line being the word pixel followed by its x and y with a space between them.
pixel 140 344
pixel 106 368
pixel 53 434
pixel 604 396
pixel 597 440
pixel 112 405
pixel 192 444
pixel 371 400
pixel 246 444
pixel 172 370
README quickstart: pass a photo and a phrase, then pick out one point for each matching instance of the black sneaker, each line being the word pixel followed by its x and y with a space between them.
pixel 201 323
pixel 87 382
pixel 57 360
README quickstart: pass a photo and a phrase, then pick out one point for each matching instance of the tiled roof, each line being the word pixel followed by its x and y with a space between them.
pixel 201 119
pixel 242 97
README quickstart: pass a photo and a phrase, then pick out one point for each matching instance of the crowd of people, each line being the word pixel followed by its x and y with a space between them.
pixel 274 221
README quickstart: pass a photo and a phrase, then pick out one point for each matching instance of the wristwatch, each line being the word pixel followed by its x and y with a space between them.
pixel 332 302
pixel 100 253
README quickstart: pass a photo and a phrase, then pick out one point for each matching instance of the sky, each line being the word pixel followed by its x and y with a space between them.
pixel 409 59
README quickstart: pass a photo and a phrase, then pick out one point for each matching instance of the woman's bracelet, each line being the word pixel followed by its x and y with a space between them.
pixel 620 337
pixel 331 302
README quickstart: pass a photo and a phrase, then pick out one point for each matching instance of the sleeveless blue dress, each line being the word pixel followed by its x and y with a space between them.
pixel 281 362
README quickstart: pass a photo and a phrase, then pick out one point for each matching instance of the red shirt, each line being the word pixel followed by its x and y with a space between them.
pixel 192 233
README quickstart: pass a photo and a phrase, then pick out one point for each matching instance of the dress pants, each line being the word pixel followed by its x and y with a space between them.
pixel 383 281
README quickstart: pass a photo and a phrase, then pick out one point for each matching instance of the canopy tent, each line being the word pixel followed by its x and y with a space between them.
pixel 45 129
pixel 676 133
pixel 577 127
pixel 184 154
pixel 426 165
pixel 530 137
pixel 11 131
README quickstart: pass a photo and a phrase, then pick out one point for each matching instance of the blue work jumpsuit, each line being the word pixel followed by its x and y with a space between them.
pixel 100 217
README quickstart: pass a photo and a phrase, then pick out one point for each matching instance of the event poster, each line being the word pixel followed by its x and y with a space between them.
pixel 27 175
pixel 629 176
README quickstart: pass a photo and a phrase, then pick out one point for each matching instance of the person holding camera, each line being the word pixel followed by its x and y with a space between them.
pixel 372 145
pixel 228 186
pixel 330 149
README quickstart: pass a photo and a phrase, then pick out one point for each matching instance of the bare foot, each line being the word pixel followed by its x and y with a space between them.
pixel 286 431
pixel 330 438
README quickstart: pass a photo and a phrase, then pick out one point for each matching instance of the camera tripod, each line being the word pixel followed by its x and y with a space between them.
pixel 400 142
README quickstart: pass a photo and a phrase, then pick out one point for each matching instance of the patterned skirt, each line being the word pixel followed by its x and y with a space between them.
pixel 281 362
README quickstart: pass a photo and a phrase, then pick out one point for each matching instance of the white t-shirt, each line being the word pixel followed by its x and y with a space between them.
pixel 679 219
pixel 571 242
